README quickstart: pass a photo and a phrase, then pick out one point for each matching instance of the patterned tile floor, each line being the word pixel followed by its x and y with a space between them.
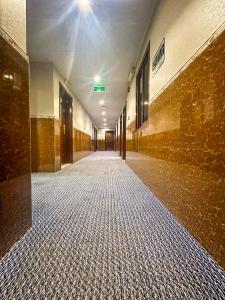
pixel 99 233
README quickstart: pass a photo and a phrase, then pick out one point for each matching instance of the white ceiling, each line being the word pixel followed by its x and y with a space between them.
pixel 105 42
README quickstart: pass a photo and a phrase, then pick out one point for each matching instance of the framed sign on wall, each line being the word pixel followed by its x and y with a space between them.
pixel 159 58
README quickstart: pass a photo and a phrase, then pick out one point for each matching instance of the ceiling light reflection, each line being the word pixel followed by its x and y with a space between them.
pixel 84 6
pixel 97 79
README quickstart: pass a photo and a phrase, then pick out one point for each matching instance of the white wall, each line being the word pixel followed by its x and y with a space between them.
pixel 101 133
pixel 41 89
pixel 186 26
pixel 81 119
pixel 44 96
pixel 13 20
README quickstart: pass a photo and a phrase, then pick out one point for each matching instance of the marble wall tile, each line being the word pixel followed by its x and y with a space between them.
pixel 101 145
pixel 45 137
pixel 185 148
pixel 57 145
pixel 15 181
pixel 82 145
pixel 43 144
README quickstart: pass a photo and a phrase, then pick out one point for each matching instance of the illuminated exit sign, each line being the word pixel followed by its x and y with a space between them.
pixel 99 88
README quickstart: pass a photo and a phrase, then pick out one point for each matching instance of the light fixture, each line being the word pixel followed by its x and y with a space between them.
pixel 104 120
pixel 146 103
pixel 103 113
pixel 97 79
pixel 101 102
pixel 84 6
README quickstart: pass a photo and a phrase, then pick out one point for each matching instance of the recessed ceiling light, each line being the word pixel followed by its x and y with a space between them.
pixel 84 6
pixel 104 120
pixel 103 113
pixel 97 79
pixel 101 102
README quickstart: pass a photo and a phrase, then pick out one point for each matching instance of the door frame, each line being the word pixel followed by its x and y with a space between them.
pixel 113 139
pixel 124 138
pixel 94 137
pixel 62 94
pixel 121 134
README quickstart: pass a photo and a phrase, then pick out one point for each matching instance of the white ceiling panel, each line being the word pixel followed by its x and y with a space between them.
pixel 104 42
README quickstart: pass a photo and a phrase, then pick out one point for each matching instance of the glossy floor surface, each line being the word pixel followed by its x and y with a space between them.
pixel 99 233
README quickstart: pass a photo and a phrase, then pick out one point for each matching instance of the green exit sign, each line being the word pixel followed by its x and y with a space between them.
pixel 99 88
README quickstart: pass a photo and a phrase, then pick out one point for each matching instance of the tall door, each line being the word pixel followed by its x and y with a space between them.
pixel 96 139
pixel 121 135
pixel 66 130
pixel 109 141
pixel 124 135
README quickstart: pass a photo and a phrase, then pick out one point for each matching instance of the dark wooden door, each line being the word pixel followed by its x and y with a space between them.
pixel 94 138
pixel 66 129
pixel 124 141
pixel 121 134
pixel 109 141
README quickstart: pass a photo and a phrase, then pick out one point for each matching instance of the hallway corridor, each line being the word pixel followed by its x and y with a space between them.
pixel 99 233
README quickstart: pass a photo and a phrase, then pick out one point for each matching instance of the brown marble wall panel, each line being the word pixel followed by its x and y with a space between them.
pixel 182 149
pixel 15 209
pixel 45 136
pixel 118 144
pixel 82 144
pixel 57 145
pixel 130 145
pixel 194 196
pixel 101 145
pixel 43 144
pixel 15 182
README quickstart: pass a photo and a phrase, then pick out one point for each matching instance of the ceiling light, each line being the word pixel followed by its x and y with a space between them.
pixel 97 79
pixel 101 102
pixel 84 6
pixel 104 120
pixel 103 113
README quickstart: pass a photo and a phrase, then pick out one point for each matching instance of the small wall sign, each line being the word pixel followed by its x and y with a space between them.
pixel 98 89
pixel 159 58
